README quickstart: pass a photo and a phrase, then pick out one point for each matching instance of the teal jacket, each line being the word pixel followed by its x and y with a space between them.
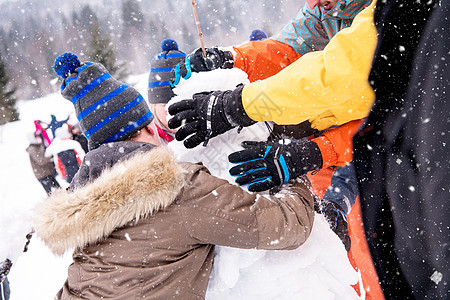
pixel 312 29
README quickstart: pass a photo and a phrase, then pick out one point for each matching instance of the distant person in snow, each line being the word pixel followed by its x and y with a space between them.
pixel 41 130
pixel 159 89
pixel 55 124
pixel 78 136
pixel 258 35
pixel 144 226
pixel 43 166
pixel 67 153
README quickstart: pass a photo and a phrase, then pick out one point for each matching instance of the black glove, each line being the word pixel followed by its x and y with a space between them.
pixel 337 220
pixel 215 59
pixel 266 165
pixel 207 115
pixel 297 131
pixel 5 266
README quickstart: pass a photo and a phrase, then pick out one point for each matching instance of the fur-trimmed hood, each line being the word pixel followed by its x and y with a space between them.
pixel 131 189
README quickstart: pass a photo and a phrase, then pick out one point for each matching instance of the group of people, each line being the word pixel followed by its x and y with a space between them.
pixel 58 153
pixel 352 90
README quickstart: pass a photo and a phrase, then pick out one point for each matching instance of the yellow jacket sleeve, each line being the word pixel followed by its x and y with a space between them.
pixel 328 87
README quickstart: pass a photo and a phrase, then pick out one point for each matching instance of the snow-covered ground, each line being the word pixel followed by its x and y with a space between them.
pixel 319 269
pixel 36 274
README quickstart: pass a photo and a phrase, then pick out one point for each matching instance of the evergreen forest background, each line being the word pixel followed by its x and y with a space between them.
pixel 122 34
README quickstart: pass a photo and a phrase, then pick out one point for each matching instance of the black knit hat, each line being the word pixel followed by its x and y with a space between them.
pixel 159 90
pixel 107 109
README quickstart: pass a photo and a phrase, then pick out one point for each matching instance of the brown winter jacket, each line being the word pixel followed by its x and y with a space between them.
pixel 146 228
pixel 42 166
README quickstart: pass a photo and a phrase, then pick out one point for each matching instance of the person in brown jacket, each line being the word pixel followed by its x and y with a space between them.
pixel 142 225
pixel 43 167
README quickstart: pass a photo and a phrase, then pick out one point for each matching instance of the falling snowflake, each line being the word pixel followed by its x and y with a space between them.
pixel 436 277
pixel 274 242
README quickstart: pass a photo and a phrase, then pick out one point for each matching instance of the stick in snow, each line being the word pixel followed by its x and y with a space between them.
pixel 200 34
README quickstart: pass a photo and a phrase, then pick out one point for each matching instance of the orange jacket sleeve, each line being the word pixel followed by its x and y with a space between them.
pixel 262 59
pixel 336 144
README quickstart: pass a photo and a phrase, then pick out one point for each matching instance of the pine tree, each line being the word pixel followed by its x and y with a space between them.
pixel 87 17
pixel 132 15
pixel 8 112
pixel 102 50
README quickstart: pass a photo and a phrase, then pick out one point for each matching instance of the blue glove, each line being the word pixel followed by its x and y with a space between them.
pixel 267 165
pixel 181 70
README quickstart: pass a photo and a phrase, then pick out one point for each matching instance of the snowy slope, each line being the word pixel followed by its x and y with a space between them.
pixel 319 269
pixel 36 274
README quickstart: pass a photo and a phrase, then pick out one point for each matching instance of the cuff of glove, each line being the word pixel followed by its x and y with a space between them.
pixel 234 109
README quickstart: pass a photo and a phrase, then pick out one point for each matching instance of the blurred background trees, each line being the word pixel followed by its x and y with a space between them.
pixel 122 34
pixel 8 112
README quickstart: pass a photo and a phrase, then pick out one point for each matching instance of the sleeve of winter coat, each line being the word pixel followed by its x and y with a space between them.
pixel 262 59
pixel 336 144
pixel 328 87
pixel 302 32
pixel 227 215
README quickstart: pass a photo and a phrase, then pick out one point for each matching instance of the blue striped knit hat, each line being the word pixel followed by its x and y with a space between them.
pixel 107 109
pixel 159 90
